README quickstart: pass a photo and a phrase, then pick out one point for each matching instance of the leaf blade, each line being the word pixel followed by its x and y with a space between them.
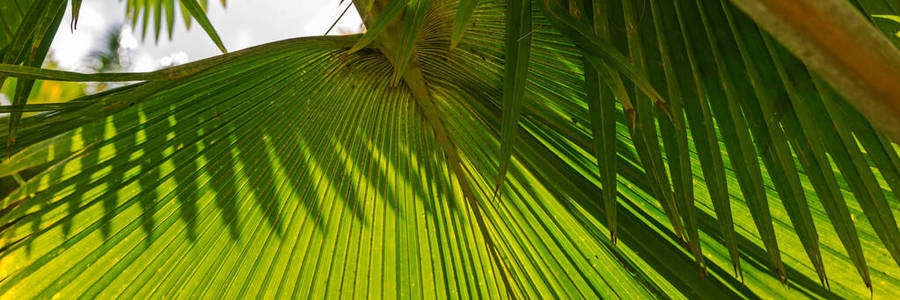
pixel 198 12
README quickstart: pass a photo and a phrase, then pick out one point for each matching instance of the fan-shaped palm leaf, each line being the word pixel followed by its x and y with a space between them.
pixel 300 169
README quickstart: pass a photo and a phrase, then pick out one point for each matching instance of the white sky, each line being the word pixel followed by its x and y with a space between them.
pixel 243 23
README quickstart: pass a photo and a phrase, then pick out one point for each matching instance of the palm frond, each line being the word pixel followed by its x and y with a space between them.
pixel 145 10
pixel 517 49
pixel 29 29
pixel 720 163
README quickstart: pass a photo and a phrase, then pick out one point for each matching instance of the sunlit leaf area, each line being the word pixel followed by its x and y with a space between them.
pixel 431 149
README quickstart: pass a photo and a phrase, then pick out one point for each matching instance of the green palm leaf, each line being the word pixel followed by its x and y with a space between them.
pixel 144 10
pixel 29 29
pixel 300 169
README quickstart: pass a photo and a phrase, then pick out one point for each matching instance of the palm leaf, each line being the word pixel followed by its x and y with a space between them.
pixel 29 29
pixel 144 10
pixel 196 11
pixel 298 169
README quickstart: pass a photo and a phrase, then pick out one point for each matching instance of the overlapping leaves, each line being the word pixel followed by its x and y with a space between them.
pixel 28 29
pixel 299 169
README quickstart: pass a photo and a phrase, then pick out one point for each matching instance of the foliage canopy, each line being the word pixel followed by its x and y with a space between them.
pixel 463 149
